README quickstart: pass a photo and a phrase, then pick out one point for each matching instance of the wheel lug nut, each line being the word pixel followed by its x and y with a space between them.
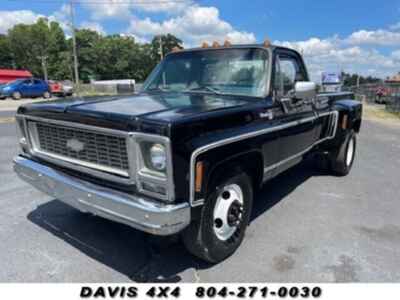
pixel 226 195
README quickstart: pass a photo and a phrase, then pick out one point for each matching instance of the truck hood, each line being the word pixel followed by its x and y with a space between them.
pixel 127 112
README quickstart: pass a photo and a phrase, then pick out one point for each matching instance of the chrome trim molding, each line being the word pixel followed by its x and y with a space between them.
pixel 145 214
pixel 44 154
pixel 75 125
pixel 133 177
pixel 205 148
pixel 333 122
pixel 98 171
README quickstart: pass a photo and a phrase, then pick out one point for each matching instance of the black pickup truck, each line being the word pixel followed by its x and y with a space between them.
pixel 185 155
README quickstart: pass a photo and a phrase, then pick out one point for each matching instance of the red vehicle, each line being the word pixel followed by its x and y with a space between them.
pixel 55 87
pixel 63 89
pixel 381 94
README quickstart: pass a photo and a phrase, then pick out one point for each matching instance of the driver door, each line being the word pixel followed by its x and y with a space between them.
pixel 27 87
pixel 299 115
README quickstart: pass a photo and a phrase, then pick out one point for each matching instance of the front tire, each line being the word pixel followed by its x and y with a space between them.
pixel 16 95
pixel 224 219
pixel 342 159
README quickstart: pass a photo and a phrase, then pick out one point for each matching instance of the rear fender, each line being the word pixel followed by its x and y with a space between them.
pixel 352 110
pixel 350 118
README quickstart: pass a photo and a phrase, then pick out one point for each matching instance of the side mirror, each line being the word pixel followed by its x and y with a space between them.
pixel 305 90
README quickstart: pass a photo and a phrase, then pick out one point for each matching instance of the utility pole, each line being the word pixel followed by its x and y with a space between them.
pixel 43 59
pixel 72 25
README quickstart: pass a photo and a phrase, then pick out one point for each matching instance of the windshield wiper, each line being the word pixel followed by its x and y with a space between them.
pixel 158 89
pixel 205 89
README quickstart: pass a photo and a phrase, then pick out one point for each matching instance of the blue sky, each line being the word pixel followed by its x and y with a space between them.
pixel 354 36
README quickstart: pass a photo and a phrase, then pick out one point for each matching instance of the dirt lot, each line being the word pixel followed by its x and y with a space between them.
pixel 306 227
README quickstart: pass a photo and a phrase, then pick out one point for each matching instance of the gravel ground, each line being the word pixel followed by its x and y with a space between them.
pixel 306 227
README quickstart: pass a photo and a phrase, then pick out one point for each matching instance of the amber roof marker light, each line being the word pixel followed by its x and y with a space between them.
pixel 176 49
pixel 267 43
pixel 216 45
pixel 227 43
pixel 205 45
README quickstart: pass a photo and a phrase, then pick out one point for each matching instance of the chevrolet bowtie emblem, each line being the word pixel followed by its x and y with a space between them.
pixel 75 145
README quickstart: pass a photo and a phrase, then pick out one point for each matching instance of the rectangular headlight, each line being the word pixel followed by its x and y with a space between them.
pixel 154 158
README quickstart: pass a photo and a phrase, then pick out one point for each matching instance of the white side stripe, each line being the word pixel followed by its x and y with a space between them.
pixel 200 150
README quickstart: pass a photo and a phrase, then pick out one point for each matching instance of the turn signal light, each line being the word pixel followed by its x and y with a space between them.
pixel 344 122
pixel 199 176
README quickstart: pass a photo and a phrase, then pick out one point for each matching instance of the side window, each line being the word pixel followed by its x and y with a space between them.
pixel 287 73
pixel 37 81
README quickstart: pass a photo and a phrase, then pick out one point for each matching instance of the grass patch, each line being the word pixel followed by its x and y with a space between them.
pixel 379 112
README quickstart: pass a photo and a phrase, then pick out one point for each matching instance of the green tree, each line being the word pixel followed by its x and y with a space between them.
pixel 59 54
pixel 39 48
pixel 168 41
pixel 352 79
pixel 87 42
pixel 20 41
pixel 42 48
pixel 40 35
pixel 6 58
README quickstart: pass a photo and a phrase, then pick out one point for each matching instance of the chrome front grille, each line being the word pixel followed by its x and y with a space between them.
pixel 96 150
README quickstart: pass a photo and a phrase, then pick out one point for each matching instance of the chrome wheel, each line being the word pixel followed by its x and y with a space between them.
pixel 228 211
pixel 350 152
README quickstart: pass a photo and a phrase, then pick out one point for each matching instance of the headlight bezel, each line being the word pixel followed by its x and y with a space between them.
pixel 22 133
pixel 147 176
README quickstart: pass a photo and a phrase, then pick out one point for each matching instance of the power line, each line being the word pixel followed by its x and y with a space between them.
pixel 76 72
pixel 111 2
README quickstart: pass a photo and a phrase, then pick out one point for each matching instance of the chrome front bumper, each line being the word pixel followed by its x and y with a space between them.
pixel 136 211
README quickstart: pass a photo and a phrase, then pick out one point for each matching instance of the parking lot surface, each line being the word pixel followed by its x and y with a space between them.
pixel 306 227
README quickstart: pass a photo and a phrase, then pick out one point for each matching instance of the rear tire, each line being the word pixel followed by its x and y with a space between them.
pixel 16 95
pixel 224 219
pixel 342 159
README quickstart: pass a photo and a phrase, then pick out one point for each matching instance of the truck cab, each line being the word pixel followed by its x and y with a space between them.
pixel 186 155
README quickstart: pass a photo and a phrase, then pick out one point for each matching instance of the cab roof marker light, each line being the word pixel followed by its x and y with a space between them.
pixel 227 43
pixel 267 43
pixel 216 44
pixel 205 45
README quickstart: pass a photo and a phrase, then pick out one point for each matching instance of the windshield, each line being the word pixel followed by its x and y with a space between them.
pixel 217 71
pixel 17 81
